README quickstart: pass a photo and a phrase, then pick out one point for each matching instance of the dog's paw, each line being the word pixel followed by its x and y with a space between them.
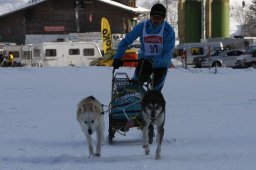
pixel 97 154
pixel 158 157
pixel 91 157
pixel 146 147
pixel 147 151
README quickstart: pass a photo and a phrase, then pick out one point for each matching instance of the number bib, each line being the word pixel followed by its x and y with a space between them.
pixel 153 43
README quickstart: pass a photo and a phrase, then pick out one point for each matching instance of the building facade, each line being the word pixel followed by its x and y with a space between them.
pixel 61 17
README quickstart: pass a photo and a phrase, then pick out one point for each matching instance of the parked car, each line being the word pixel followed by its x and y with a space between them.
pixel 226 58
pixel 198 60
pixel 193 50
pixel 248 59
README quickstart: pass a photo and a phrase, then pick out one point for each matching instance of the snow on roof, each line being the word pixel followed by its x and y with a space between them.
pixel 136 10
pixel 22 7
pixel 139 10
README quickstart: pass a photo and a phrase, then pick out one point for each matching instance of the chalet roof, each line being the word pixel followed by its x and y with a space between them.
pixel 138 10
pixel 128 8
pixel 23 7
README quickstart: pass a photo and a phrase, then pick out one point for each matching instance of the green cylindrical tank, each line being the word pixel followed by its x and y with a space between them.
pixel 181 20
pixel 192 20
pixel 220 18
pixel 208 19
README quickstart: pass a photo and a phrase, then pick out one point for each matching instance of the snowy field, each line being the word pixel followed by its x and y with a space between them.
pixel 210 121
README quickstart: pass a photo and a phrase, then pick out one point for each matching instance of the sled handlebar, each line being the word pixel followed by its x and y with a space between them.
pixel 126 61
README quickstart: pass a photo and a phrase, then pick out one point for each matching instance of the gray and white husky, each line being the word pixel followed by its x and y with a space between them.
pixel 90 118
pixel 153 111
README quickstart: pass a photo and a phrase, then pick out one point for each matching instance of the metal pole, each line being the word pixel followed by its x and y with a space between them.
pixel 77 15
pixel 203 19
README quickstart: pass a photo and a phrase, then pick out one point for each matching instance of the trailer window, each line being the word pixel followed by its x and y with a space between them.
pixel 89 52
pixel 16 54
pixel 197 51
pixel 74 51
pixel 27 55
pixel 37 52
pixel 217 48
pixel 50 53
pixel 177 53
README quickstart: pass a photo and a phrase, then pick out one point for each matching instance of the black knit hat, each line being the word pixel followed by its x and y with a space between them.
pixel 158 10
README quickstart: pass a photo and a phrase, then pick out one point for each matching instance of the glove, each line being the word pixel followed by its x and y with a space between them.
pixel 117 63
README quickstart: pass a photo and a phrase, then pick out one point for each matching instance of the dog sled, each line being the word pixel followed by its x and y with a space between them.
pixel 125 110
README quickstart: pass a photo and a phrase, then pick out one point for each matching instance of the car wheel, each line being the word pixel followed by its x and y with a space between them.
pixel 253 64
pixel 216 64
pixel 198 66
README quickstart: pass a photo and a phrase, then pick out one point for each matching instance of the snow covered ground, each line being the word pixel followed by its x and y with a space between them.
pixel 210 121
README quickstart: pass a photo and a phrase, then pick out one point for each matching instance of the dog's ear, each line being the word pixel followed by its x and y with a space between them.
pixel 91 98
pixel 79 112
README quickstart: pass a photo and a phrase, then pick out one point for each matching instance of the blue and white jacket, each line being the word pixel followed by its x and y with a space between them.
pixel 162 60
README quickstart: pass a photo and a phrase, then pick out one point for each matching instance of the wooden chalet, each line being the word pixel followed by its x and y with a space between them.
pixel 61 17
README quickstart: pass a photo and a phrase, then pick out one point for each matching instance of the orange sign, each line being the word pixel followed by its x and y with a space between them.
pixel 54 28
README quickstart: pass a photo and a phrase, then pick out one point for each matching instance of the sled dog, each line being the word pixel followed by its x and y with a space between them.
pixel 90 118
pixel 153 112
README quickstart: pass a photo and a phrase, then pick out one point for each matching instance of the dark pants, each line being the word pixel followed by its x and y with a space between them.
pixel 143 71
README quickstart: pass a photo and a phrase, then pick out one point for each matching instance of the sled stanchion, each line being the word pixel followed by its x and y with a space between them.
pixel 110 129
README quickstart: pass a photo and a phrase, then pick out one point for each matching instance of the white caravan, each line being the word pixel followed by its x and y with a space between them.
pixel 195 50
pixel 52 54
pixel 68 53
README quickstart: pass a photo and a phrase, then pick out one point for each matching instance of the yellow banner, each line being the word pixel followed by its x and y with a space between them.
pixel 106 35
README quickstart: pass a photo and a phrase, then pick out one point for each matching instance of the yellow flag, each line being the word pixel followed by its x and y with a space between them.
pixel 106 35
